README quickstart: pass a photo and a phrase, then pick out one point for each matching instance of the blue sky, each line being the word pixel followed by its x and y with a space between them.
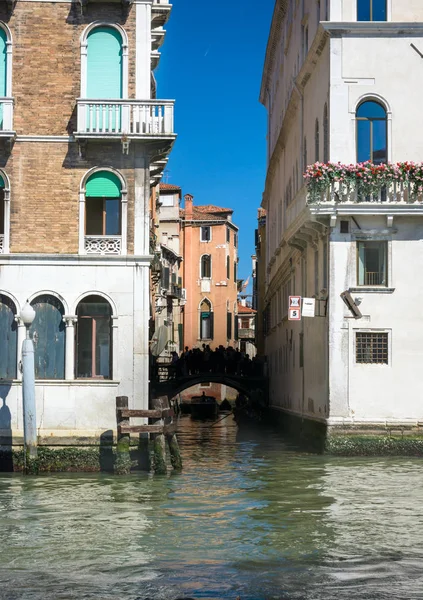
pixel 211 64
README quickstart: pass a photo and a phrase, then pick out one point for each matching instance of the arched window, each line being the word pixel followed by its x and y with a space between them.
pixel 48 334
pixel 316 141
pixel 371 10
pixel 103 213
pixel 325 135
pixel 372 133
pixel 205 266
pixel 6 100
pixel 206 320
pixel 94 339
pixel 8 339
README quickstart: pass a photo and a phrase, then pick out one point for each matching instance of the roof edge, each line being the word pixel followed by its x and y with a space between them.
pixel 279 13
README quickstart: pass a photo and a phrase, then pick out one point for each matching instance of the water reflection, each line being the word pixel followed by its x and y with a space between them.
pixel 249 516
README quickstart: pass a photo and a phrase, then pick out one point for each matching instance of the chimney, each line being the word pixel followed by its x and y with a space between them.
pixel 188 206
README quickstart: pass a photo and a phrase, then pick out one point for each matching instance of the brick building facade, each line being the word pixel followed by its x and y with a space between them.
pixel 82 141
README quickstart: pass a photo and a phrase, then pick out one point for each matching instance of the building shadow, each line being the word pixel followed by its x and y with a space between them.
pixel 6 458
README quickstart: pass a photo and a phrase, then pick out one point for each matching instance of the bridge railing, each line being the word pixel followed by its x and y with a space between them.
pixel 163 372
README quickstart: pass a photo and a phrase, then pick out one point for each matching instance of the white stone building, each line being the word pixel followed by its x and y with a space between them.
pixel 76 177
pixel 342 83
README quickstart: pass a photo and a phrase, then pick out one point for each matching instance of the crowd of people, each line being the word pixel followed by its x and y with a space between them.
pixel 229 361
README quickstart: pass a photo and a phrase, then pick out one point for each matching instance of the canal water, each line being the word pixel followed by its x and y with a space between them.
pixel 250 517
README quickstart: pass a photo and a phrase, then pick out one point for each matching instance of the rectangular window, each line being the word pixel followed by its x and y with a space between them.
pixel 235 271
pixel 102 216
pixel 371 348
pixel 166 200
pixel 228 325
pixel 236 240
pixel 372 267
pixel 245 323
pixel 228 235
pixel 371 10
pixel 205 233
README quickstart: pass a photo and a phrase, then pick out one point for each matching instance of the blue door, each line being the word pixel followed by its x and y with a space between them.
pixel 48 334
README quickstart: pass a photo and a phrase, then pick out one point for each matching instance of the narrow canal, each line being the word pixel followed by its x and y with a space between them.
pixel 250 516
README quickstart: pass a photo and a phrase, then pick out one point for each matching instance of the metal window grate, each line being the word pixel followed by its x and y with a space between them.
pixel 371 348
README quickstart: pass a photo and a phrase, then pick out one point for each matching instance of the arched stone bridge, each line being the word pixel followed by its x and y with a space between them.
pixel 166 383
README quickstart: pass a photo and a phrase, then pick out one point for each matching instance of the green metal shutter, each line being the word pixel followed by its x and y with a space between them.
pixel 104 70
pixel 2 184
pixel 103 184
pixel 8 339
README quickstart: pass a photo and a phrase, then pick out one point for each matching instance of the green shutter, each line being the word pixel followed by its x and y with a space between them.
pixel 2 184
pixel 103 184
pixel 104 71
pixel 3 74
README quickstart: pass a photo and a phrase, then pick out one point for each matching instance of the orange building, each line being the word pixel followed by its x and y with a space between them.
pixel 209 249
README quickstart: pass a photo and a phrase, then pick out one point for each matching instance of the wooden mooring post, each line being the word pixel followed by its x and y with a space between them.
pixel 161 428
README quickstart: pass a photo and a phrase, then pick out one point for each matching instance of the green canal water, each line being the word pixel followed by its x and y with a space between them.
pixel 250 516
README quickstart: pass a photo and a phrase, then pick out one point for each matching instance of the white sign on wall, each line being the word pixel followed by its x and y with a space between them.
pixel 309 307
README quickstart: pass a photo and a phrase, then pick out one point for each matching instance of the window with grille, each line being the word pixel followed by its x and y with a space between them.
pixel 371 348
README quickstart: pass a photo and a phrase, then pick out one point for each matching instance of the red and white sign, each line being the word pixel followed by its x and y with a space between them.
pixel 295 302
pixel 294 314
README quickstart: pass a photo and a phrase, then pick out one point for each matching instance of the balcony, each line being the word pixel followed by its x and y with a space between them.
pixel 175 291
pixel 365 188
pixel 246 334
pixel 160 12
pixel 127 119
pixel 103 244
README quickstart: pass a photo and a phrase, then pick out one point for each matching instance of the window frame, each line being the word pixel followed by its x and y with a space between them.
pixel 386 274
pixel 94 319
pixel 104 216
pixel 123 207
pixel 371 20
pixel 204 228
pixel 371 121
pixel 373 332
pixel 205 260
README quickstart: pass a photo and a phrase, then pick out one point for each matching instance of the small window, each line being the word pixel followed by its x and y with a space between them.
pixel 205 233
pixel 206 266
pixel 372 263
pixel 344 226
pixel 235 275
pixel 166 200
pixel 371 348
pixel 235 240
pixel 228 235
pixel 228 267
pixel 94 338
pixel 371 10
pixel 245 323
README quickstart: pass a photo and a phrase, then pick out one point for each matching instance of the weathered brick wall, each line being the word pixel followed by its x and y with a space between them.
pixel 45 177
pixel 47 60
pixel 45 195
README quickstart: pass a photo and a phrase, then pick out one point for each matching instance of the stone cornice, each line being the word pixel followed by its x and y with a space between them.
pixel 372 28
pixel 274 35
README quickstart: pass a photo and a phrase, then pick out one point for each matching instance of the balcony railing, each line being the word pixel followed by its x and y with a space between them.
pixel 246 334
pixel 103 244
pixel 6 116
pixel 175 291
pixel 1 244
pixel 125 118
pixel 392 193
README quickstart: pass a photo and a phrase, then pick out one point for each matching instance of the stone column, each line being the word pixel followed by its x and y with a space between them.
pixel 70 321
